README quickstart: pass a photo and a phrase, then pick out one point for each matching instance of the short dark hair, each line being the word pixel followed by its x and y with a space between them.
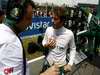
pixel 60 12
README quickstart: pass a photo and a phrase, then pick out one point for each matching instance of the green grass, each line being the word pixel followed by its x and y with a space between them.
pixel 25 44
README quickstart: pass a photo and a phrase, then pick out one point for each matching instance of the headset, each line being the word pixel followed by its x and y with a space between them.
pixel 15 9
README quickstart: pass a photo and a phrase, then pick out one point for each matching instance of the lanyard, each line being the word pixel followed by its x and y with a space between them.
pixel 24 59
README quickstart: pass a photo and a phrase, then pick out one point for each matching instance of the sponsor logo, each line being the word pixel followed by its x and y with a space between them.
pixel 8 71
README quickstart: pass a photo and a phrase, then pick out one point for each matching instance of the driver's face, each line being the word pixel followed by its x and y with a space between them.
pixel 56 21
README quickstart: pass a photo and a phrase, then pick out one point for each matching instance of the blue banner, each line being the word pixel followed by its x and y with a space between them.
pixel 39 25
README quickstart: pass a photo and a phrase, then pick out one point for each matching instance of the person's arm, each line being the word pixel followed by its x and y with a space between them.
pixel 48 41
pixel 72 54
pixel 53 70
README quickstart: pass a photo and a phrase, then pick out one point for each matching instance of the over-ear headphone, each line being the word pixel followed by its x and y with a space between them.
pixel 15 9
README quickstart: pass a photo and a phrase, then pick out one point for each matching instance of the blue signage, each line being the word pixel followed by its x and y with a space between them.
pixel 39 25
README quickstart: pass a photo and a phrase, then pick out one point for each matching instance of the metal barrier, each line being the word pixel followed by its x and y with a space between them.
pixel 35 65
